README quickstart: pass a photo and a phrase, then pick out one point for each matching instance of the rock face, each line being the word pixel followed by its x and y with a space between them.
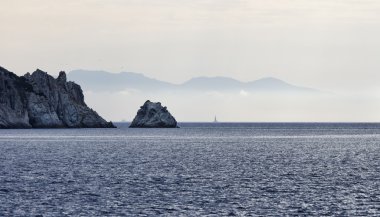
pixel 153 115
pixel 38 100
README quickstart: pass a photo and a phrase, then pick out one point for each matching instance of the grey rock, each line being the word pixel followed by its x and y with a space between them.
pixel 13 100
pixel 38 100
pixel 153 115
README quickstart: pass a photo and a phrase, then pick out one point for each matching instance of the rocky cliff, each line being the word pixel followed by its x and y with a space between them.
pixel 153 115
pixel 40 101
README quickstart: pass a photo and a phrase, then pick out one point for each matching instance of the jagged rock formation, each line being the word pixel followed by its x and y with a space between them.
pixel 153 115
pixel 38 100
pixel 13 100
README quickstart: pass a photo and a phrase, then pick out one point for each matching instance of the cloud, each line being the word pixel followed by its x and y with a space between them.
pixel 243 93
pixel 128 92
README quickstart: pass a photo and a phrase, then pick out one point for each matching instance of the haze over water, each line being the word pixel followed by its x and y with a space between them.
pixel 238 169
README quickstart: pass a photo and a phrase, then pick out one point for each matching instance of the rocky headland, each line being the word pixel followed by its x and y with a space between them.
pixel 38 100
pixel 153 115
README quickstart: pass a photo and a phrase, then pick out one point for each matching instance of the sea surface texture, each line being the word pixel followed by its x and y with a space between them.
pixel 221 169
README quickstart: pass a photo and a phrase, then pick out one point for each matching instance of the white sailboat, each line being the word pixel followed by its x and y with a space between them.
pixel 215 120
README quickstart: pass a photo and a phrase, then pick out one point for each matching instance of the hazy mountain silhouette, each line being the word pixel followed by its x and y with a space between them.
pixel 274 84
pixel 105 81
pixel 212 83
pixel 224 83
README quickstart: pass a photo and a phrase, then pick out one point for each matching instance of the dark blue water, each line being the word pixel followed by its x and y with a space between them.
pixel 235 169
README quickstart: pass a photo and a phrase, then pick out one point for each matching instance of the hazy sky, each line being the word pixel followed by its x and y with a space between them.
pixel 326 44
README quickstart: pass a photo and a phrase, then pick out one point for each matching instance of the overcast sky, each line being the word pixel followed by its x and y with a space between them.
pixel 327 44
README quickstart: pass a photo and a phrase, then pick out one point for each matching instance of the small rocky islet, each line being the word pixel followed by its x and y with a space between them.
pixel 153 115
pixel 38 100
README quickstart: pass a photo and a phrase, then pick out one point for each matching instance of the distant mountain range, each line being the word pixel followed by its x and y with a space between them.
pixel 105 81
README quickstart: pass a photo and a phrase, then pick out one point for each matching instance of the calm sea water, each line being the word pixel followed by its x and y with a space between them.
pixel 220 169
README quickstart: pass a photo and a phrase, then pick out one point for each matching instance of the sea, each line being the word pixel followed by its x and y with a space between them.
pixel 199 169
